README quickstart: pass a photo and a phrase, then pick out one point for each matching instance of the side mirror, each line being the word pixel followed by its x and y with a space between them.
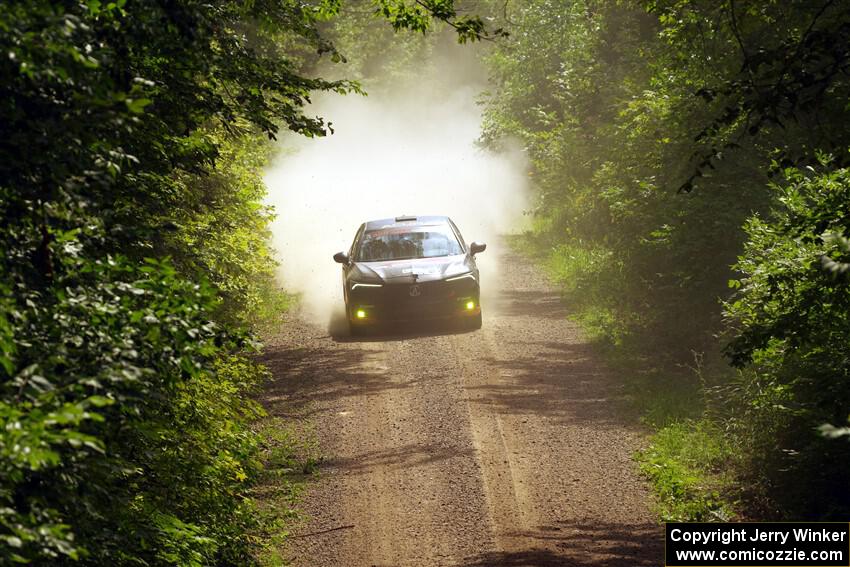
pixel 477 247
pixel 341 258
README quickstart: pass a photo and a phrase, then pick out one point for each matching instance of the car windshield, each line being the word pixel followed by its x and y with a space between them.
pixel 408 242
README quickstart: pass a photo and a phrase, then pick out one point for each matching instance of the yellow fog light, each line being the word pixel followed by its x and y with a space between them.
pixel 470 305
pixel 361 314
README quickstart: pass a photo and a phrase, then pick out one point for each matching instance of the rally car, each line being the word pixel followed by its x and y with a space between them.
pixel 410 268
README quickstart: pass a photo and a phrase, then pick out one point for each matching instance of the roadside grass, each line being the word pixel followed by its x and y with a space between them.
pixel 289 452
pixel 687 457
pixel 275 304
pixel 584 276
pixel 291 459
pixel 685 464
pixel 688 453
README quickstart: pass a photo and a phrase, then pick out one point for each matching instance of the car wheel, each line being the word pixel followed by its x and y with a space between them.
pixel 475 322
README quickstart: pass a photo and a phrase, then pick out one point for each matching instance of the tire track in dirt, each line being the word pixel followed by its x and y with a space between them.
pixel 505 446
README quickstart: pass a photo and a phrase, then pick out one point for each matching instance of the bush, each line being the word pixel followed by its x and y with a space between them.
pixel 125 433
pixel 791 320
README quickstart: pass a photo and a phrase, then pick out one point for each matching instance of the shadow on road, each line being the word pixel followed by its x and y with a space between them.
pixel 565 431
pixel 560 380
pixel 409 456
pixel 306 376
pixel 400 332
pixel 575 544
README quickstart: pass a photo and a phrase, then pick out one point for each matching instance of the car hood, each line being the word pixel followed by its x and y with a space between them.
pixel 407 271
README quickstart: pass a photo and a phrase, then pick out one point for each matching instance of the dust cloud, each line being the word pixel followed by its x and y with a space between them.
pixel 398 151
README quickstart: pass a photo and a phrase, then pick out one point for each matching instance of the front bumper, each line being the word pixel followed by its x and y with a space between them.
pixel 426 301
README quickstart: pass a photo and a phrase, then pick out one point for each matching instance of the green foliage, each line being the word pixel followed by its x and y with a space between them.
pixel 222 228
pixel 685 463
pixel 418 16
pixel 653 131
pixel 791 321
pixel 122 436
pixel 580 271
pixel 607 114
pixel 376 54
pixel 788 75
pixel 125 386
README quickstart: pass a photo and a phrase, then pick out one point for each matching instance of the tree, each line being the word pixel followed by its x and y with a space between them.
pixel 128 132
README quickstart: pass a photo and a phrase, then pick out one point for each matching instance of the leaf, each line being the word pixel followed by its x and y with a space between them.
pixel 137 105
pixel 830 431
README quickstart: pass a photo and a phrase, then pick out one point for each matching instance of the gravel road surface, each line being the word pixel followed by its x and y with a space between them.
pixel 506 446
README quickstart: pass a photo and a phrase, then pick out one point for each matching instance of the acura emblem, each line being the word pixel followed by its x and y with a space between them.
pixel 415 291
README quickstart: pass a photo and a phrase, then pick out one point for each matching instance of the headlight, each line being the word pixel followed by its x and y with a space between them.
pixel 355 285
pixel 469 275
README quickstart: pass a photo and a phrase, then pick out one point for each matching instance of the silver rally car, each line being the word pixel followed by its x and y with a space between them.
pixel 410 269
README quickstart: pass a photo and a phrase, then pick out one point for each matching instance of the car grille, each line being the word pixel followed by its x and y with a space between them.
pixel 435 299
pixel 427 290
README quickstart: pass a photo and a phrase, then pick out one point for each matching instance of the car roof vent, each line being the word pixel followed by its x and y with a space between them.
pixel 405 218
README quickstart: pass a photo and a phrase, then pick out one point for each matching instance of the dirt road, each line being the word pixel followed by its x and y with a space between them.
pixel 500 447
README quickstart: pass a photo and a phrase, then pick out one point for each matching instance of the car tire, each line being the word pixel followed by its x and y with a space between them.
pixel 475 322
